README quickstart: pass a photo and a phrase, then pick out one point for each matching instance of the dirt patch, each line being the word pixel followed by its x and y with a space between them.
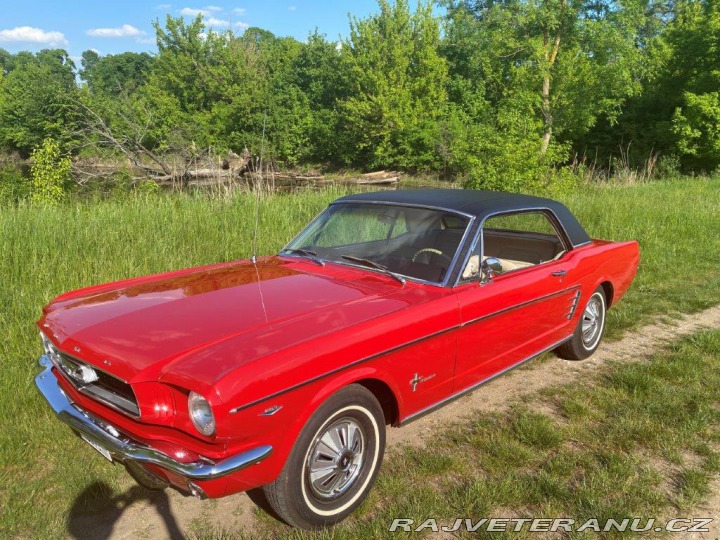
pixel 710 509
pixel 166 514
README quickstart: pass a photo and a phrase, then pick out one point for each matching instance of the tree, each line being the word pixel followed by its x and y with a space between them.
pixel 396 83
pixel 695 41
pixel 116 74
pixel 555 65
pixel 317 72
pixel 37 100
pixel 697 126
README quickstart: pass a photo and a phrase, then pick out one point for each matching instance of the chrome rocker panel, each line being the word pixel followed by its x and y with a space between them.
pixel 124 449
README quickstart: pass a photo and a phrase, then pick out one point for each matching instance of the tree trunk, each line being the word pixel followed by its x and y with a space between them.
pixel 547 115
pixel 551 52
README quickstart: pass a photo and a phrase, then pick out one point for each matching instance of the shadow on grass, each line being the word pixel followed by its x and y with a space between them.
pixel 97 509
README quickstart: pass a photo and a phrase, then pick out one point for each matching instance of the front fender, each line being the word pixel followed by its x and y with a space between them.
pixel 292 410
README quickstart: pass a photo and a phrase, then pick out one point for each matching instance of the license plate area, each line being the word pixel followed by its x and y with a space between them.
pixel 97 447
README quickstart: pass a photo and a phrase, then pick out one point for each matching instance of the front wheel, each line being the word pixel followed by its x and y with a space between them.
pixel 589 331
pixel 334 462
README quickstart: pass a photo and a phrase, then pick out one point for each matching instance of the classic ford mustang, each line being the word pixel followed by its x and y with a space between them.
pixel 284 371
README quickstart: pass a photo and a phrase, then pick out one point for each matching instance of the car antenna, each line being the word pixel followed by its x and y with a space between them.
pixel 257 194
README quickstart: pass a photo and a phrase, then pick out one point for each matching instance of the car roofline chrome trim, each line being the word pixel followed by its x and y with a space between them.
pixel 452 328
pixel 437 405
pixel 410 205
pixel 453 263
pixel 124 448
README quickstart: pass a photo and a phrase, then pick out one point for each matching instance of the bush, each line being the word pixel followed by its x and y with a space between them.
pixel 14 186
pixel 507 165
pixel 147 187
pixel 49 172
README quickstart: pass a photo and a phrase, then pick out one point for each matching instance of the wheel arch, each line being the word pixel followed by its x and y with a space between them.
pixel 609 291
pixel 368 377
pixel 385 396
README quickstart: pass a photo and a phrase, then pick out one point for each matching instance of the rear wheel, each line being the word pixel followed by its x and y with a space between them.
pixel 589 331
pixel 334 462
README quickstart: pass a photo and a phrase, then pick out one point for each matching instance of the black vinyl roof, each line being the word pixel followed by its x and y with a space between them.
pixel 478 203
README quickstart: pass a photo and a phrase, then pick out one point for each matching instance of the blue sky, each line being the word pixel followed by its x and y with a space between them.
pixel 112 26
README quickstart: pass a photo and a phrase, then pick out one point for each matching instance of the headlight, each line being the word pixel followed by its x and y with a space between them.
pixel 201 414
pixel 49 348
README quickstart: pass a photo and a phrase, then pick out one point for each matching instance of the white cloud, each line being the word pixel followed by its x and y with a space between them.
pixel 212 21
pixel 126 30
pixel 207 11
pixel 194 12
pixel 29 34
pixel 239 10
pixel 292 8
pixel 241 25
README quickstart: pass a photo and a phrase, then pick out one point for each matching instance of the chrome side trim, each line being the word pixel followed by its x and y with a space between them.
pixel 342 368
pixel 401 346
pixel 125 449
pixel 472 387
pixel 518 306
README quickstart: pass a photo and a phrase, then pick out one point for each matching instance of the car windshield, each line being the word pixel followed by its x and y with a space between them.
pixel 405 241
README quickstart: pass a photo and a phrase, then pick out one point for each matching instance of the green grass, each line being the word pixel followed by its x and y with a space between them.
pixel 46 251
pixel 677 226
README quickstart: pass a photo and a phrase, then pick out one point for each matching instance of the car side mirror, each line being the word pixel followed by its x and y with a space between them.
pixel 488 269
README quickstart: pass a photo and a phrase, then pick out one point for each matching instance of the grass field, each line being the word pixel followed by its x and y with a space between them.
pixel 45 251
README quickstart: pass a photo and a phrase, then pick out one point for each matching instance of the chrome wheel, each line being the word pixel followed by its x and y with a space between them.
pixel 335 459
pixel 593 320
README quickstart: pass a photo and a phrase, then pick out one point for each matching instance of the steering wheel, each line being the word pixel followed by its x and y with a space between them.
pixel 431 250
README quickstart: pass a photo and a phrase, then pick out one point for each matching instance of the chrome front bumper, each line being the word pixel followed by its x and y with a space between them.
pixel 123 448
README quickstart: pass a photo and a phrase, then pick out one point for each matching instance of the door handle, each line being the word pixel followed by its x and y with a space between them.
pixel 560 273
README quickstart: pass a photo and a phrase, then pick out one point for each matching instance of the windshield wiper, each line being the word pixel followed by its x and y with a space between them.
pixel 377 266
pixel 307 254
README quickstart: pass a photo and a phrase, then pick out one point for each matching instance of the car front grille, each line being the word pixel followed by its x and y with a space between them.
pixel 107 389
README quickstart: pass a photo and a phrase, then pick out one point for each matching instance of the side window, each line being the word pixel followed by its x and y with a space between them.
pixel 521 240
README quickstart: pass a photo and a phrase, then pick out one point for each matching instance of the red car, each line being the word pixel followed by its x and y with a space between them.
pixel 284 371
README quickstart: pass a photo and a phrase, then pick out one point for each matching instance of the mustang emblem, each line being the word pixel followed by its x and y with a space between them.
pixel 417 379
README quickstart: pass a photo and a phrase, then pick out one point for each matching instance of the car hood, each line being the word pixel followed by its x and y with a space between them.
pixel 139 329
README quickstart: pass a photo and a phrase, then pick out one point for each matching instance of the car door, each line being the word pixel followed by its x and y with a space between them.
pixel 523 310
